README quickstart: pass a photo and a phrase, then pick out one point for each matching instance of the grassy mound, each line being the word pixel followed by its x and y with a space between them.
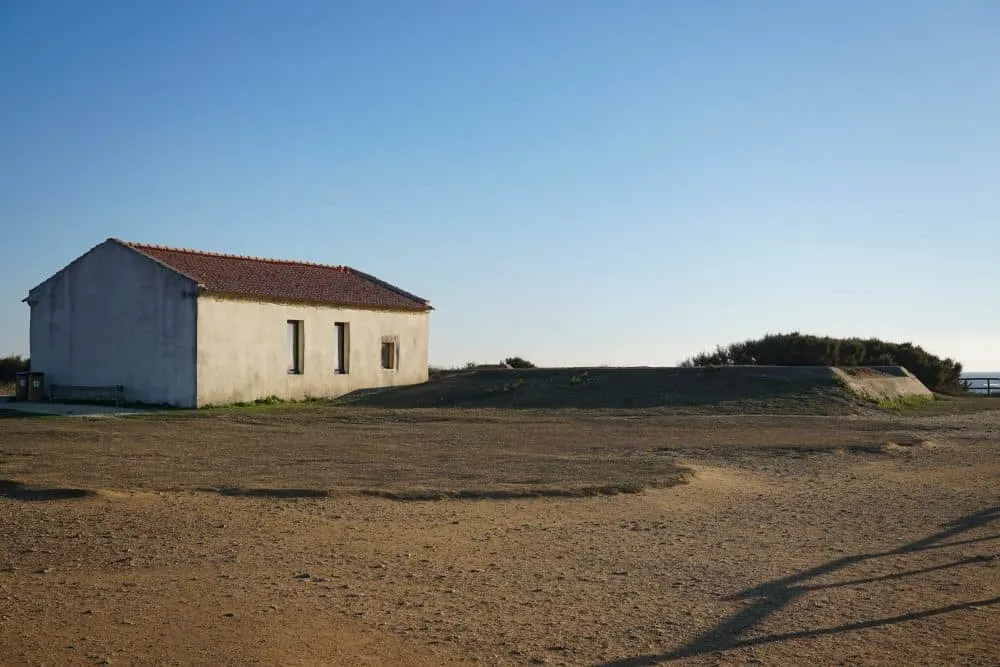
pixel 795 349
pixel 737 389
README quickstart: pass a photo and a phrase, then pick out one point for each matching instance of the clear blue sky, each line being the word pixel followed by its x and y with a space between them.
pixel 573 181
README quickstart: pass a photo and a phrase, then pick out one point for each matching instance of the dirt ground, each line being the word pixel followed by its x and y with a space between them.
pixel 259 536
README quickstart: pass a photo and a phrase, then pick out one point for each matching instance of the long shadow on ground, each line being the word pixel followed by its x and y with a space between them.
pixel 8 413
pixel 268 493
pixel 444 494
pixel 18 491
pixel 775 595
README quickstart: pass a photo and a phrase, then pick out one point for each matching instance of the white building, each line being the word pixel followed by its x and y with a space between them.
pixel 190 328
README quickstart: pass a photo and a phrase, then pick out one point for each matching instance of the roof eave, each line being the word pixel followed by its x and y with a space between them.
pixel 389 286
pixel 244 296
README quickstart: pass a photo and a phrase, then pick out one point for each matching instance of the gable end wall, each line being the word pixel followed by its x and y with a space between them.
pixel 112 317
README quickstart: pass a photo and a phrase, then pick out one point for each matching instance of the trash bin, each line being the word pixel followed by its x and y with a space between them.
pixel 21 386
pixel 36 386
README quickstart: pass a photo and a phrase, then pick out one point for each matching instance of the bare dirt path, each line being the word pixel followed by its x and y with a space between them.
pixel 828 541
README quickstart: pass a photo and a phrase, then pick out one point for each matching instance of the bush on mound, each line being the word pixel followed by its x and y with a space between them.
pixel 795 349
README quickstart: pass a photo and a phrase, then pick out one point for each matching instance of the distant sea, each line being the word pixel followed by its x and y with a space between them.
pixel 979 387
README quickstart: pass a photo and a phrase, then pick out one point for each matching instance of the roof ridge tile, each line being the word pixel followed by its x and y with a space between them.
pixel 227 255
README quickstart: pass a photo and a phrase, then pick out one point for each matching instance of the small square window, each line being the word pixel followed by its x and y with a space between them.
pixel 389 352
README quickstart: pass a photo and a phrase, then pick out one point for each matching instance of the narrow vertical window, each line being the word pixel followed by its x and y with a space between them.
pixel 342 353
pixel 295 346
pixel 390 352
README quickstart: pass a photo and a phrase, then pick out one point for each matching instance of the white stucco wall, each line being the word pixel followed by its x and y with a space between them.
pixel 243 350
pixel 114 317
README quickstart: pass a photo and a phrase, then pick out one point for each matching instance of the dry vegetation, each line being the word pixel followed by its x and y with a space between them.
pixel 256 535
pixel 10 366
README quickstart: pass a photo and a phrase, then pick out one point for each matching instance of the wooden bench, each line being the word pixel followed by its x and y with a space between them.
pixel 75 392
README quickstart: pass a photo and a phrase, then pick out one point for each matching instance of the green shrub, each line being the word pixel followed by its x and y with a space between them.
pixel 11 365
pixel 518 362
pixel 795 349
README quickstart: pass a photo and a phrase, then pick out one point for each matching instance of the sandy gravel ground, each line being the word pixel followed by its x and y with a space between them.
pixel 864 541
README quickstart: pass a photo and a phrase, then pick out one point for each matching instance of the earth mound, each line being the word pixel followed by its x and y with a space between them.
pixel 728 389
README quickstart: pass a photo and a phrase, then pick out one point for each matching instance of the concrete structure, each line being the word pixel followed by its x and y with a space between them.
pixel 190 328
pixel 883 384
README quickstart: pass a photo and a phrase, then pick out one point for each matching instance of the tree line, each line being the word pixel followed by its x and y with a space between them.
pixel 11 365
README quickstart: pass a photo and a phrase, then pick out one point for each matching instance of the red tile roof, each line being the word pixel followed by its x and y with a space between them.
pixel 281 280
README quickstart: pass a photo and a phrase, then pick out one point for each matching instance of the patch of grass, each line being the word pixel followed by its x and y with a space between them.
pixel 901 403
pixel 267 492
pixel 515 385
pixel 269 401
pixel 517 493
pixel 680 476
